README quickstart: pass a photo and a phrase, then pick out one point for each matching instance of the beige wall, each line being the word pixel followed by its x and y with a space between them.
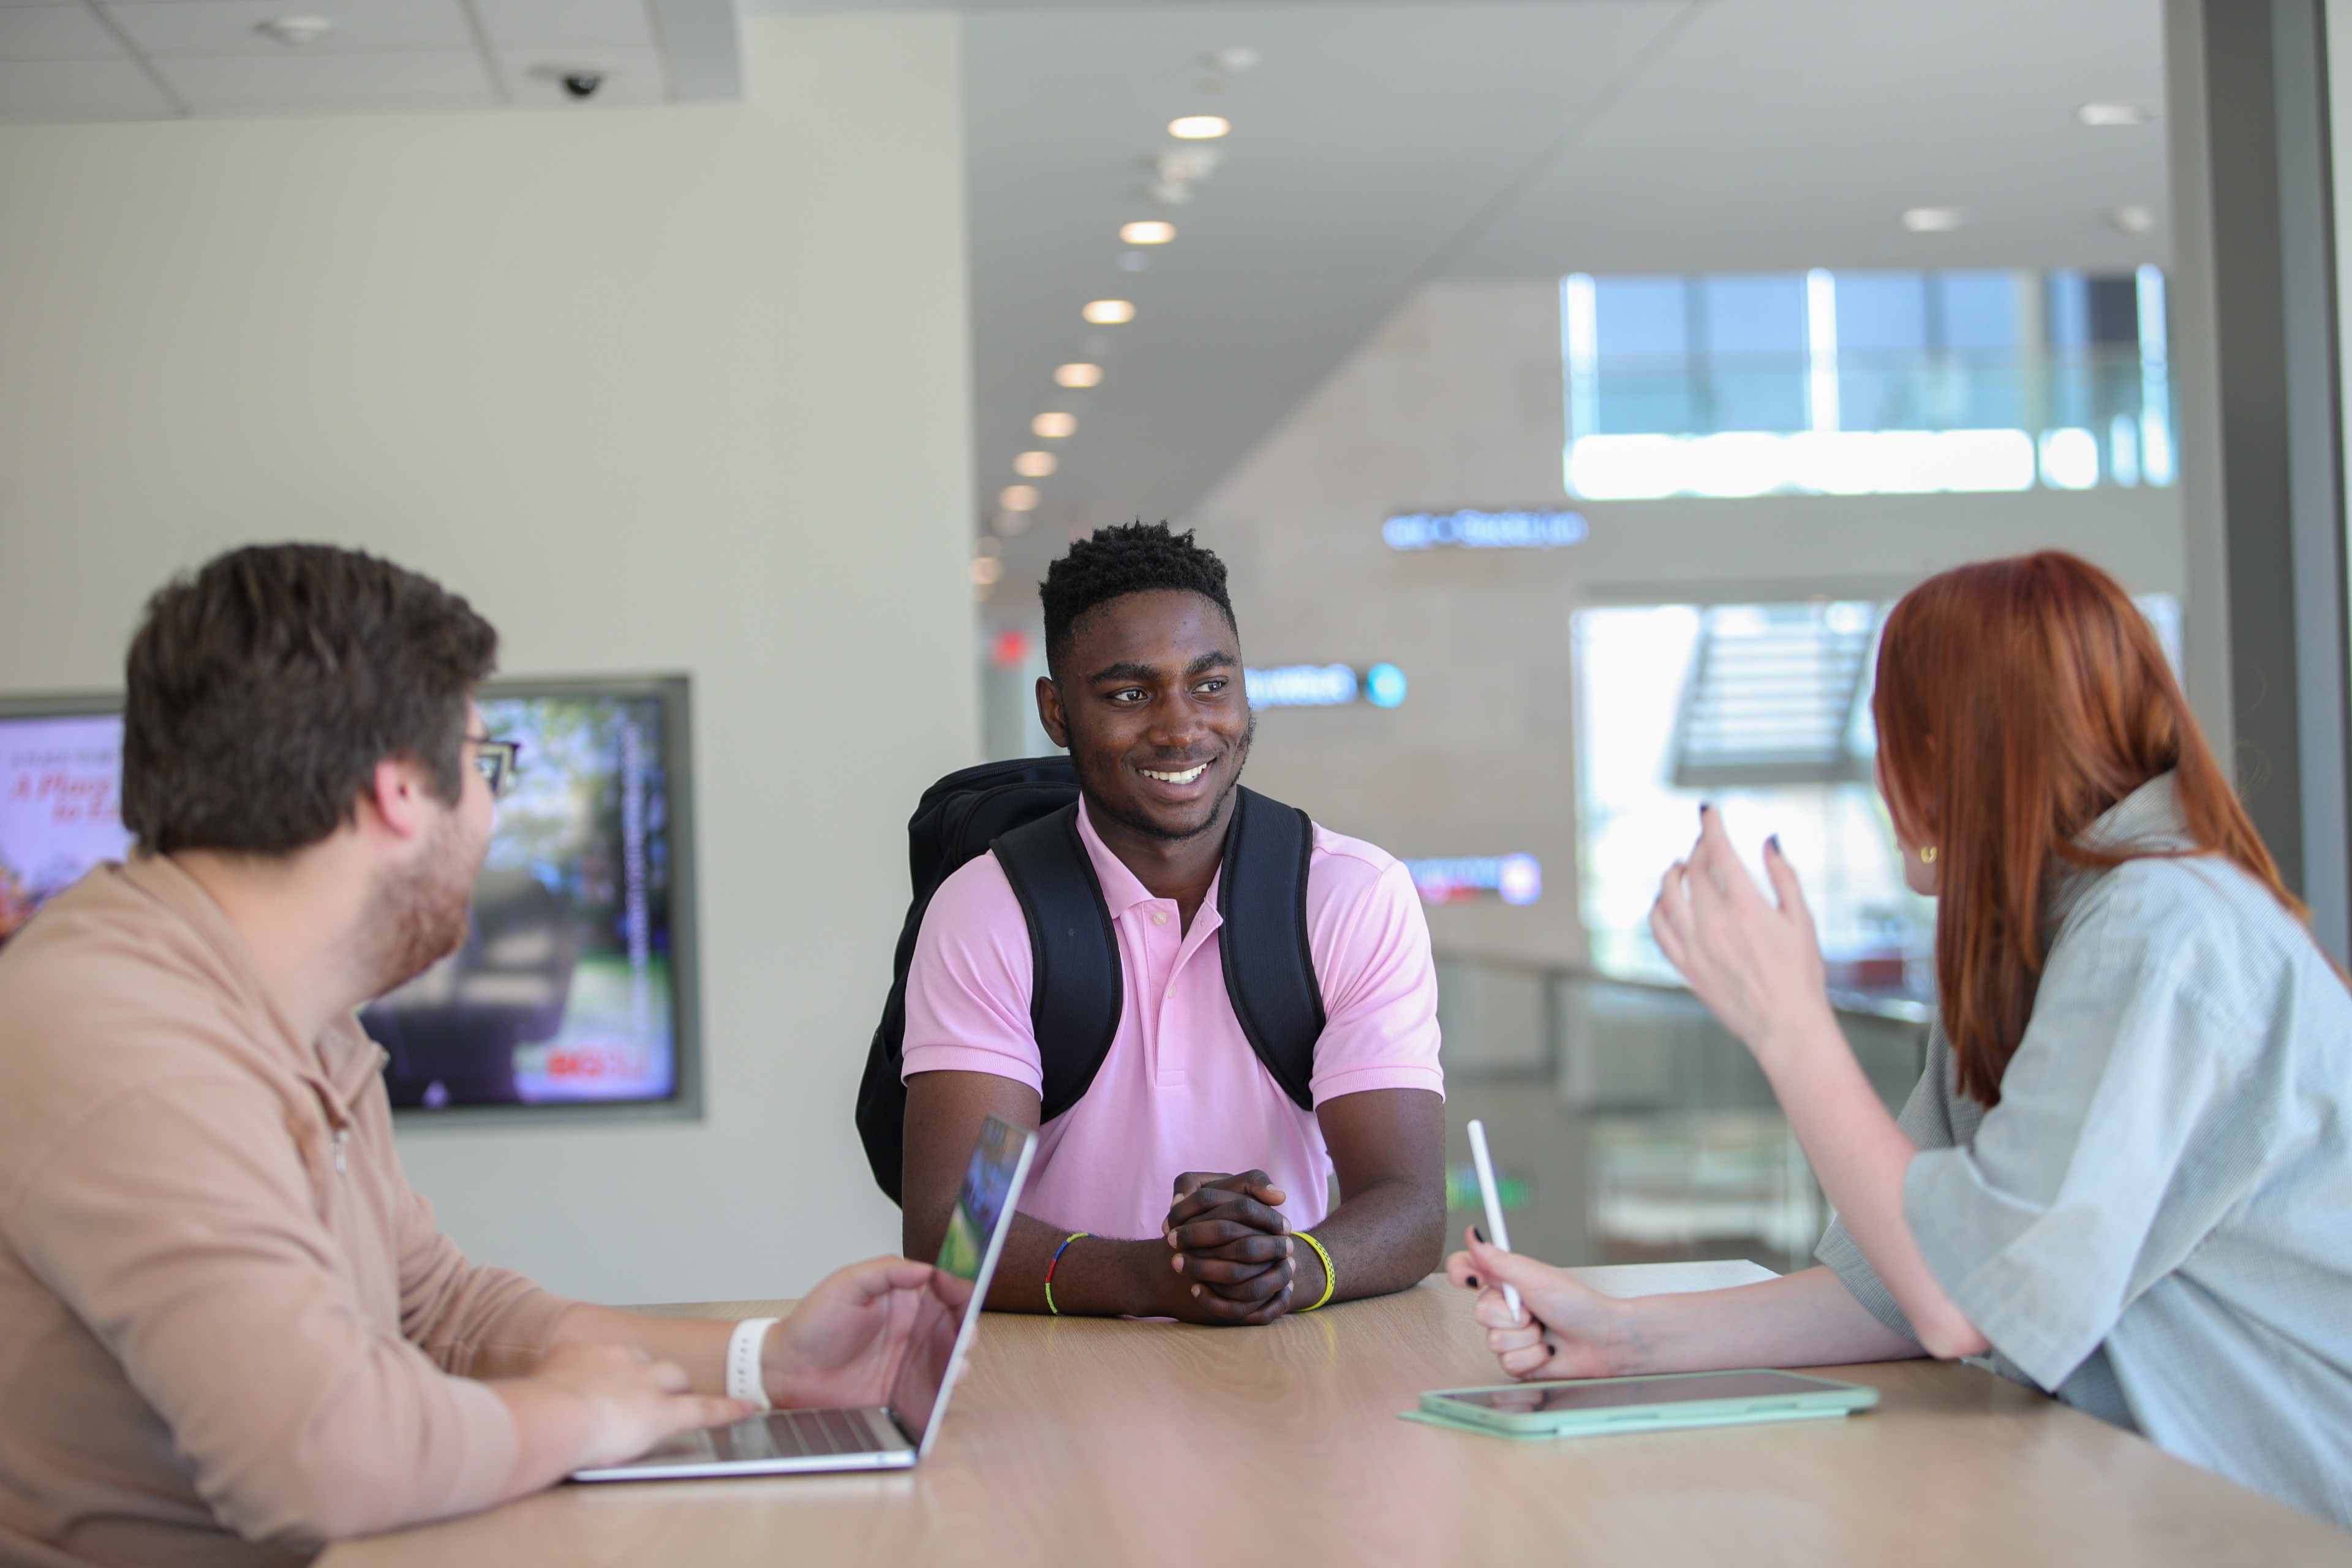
pixel 1456 402
pixel 678 389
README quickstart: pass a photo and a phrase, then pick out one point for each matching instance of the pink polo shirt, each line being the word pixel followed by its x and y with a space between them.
pixel 1181 1089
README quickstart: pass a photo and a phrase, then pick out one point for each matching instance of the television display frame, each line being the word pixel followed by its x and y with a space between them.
pixel 675 696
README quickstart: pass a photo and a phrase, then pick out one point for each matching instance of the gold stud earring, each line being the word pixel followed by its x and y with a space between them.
pixel 1927 855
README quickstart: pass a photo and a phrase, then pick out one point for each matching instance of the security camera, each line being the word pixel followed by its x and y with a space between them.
pixel 578 82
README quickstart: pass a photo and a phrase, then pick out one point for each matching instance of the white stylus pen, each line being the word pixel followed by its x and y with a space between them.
pixel 1496 1231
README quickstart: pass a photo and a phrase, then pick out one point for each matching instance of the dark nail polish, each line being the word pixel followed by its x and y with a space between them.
pixel 1704 807
pixel 1773 844
pixel 1479 1233
pixel 1473 1280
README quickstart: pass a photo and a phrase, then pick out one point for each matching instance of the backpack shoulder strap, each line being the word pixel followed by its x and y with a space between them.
pixel 1269 965
pixel 1073 949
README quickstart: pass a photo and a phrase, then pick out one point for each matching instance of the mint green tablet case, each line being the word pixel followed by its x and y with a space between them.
pixel 1830 1399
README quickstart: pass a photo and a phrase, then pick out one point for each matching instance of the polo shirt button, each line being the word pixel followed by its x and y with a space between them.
pixel 1160 916
pixel 1172 993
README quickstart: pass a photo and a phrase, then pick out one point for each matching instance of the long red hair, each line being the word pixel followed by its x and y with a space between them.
pixel 2017 701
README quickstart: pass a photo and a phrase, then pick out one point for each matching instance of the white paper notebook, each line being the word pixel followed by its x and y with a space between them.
pixel 1671 1278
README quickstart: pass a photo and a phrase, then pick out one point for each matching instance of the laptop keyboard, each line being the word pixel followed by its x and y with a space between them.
pixel 810 1433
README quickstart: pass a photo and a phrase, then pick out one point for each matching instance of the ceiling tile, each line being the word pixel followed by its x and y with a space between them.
pixel 51 90
pixel 55 32
pixel 631 75
pixel 230 84
pixel 522 23
pixel 227 26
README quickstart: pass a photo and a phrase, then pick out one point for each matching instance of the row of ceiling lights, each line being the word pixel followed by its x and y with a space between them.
pixel 2131 218
pixel 1177 175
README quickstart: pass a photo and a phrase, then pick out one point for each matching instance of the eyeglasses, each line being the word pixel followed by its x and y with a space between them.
pixel 499 762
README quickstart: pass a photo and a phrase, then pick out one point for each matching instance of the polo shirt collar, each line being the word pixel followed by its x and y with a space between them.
pixel 1122 890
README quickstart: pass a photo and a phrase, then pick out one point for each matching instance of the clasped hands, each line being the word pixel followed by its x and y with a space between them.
pixel 1232 1248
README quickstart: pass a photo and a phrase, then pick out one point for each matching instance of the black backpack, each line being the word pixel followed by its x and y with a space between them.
pixel 1027 812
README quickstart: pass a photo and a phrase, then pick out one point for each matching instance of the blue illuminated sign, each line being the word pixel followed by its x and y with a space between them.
pixel 1322 686
pixel 1300 685
pixel 1483 529
pixel 1515 878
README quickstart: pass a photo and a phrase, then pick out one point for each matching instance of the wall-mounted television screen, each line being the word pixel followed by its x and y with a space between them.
pixel 576 983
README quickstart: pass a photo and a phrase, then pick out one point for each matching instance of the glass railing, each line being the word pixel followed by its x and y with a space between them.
pixel 1629 1126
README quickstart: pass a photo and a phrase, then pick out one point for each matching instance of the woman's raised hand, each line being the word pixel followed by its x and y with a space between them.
pixel 1756 964
pixel 1564 1330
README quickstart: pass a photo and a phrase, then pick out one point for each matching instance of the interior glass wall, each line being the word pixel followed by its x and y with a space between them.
pixel 1865 383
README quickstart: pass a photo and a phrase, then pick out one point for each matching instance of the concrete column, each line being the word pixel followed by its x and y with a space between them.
pixel 2256 366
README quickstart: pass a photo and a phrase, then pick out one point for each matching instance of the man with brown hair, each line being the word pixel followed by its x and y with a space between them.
pixel 229 1332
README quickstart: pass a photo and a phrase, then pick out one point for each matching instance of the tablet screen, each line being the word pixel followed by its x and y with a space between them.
pixel 1541 1398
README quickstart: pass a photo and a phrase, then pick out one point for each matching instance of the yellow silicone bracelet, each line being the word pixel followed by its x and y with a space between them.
pixel 1330 1274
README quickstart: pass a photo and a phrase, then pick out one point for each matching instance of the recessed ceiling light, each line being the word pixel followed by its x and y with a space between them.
pixel 1109 313
pixel 1053 428
pixel 1018 498
pixel 1078 374
pixel 295 31
pixel 1035 465
pixel 1235 60
pixel 1151 231
pixel 1933 220
pixel 2106 114
pixel 987 570
pixel 1199 127
pixel 2134 218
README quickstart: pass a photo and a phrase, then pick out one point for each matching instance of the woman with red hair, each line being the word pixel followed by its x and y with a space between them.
pixel 2126 1171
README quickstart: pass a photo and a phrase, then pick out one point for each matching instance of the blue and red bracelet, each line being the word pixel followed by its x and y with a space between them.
pixel 1056 1263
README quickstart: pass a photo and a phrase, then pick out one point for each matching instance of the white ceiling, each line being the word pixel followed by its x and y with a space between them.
pixel 1379 145
pixel 162 59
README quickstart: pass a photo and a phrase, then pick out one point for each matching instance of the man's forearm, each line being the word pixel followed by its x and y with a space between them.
pixel 1100 1275
pixel 1383 1239
pixel 698 1344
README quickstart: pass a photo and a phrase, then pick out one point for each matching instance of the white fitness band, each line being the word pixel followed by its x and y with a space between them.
pixel 744 1379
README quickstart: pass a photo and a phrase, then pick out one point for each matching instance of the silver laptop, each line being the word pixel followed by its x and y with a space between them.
pixel 890 1437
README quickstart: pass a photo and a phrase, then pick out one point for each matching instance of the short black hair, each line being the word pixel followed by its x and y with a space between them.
pixel 265 688
pixel 1131 558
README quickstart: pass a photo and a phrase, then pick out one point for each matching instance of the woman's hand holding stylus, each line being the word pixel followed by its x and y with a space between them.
pixel 1566 1330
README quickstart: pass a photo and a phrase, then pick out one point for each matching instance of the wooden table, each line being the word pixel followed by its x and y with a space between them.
pixel 1082 1441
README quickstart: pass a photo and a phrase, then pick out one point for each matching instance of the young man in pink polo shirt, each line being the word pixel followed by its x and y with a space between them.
pixel 1195 1186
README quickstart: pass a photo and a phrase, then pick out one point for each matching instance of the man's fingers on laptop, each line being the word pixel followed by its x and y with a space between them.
pixel 631 1401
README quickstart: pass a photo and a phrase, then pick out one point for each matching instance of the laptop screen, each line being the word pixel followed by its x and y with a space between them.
pixel 967 1260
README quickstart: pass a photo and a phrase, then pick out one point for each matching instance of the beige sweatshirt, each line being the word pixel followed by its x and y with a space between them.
pixel 229 1332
